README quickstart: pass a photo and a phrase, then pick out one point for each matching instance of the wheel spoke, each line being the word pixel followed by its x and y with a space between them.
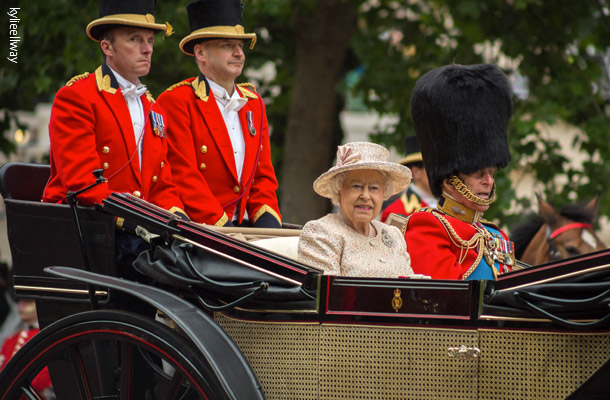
pixel 126 370
pixel 30 393
pixel 174 386
pixel 79 373
pixel 109 355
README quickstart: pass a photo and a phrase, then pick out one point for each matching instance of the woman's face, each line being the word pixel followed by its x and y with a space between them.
pixel 361 196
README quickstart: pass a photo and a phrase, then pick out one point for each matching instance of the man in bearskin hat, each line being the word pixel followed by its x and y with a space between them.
pixel 108 120
pixel 418 193
pixel 460 114
pixel 218 132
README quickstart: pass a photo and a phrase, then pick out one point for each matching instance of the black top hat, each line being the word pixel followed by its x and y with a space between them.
pixel 412 151
pixel 214 19
pixel 137 13
pixel 460 114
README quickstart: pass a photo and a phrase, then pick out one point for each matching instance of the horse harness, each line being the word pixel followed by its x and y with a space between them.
pixel 554 254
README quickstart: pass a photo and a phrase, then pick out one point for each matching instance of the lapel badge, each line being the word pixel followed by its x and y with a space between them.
pixel 250 119
pixel 158 125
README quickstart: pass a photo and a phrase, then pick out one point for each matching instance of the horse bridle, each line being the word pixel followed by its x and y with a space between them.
pixel 554 254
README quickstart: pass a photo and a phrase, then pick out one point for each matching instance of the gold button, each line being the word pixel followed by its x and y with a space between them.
pixel 202 166
pixel 261 147
pixel 204 149
pixel 105 149
pixel 106 165
pixel 155 179
pixel 162 164
pixel 259 164
pixel 236 189
pixel 137 193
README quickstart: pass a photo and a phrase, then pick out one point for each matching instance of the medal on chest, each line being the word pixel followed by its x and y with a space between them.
pixel 158 125
pixel 250 120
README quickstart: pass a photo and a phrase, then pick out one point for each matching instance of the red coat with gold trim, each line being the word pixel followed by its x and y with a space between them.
pixel 406 204
pixel 437 249
pixel 202 157
pixel 90 129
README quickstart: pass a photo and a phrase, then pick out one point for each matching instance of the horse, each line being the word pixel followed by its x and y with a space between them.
pixel 553 235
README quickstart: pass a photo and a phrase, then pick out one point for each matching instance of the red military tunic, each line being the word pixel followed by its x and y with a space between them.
pixel 90 129
pixel 408 202
pixel 202 157
pixel 446 247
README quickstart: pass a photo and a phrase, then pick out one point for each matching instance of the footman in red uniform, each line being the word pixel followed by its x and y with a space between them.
pixel 218 133
pixel 108 120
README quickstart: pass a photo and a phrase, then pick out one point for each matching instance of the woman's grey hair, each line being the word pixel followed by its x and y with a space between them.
pixel 336 184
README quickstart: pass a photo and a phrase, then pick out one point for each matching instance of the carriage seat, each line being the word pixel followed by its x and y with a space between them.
pixel 286 246
pixel 283 241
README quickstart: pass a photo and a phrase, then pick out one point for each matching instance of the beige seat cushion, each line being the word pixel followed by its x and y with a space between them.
pixel 286 246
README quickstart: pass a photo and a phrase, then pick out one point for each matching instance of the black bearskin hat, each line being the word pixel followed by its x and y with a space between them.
pixel 460 115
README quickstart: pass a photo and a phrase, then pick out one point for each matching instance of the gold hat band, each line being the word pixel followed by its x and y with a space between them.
pixel 148 18
pixel 136 20
pixel 220 31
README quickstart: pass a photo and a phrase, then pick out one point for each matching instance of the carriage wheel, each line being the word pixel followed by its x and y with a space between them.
pixel 110 355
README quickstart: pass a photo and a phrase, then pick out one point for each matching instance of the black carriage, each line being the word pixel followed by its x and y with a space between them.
pixel 216 316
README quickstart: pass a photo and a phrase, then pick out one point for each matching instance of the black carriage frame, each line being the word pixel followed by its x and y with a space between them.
pixel 100 325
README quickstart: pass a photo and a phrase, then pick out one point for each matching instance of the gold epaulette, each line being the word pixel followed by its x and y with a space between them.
pixel 175 85
pixel 150 97
pixel 247 84
pixel 77 78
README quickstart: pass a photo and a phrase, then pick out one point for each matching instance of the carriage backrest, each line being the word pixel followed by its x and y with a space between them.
pixel 23 181
pixel 43 234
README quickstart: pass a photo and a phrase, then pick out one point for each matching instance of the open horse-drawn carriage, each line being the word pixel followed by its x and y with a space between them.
pixel 208 315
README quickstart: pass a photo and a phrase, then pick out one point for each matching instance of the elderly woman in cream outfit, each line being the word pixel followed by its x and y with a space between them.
pixel 351 242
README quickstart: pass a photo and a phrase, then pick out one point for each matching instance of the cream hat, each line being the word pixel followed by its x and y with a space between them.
pixel 364 155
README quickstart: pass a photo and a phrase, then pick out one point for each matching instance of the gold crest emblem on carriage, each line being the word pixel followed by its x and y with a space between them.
pixel 396 300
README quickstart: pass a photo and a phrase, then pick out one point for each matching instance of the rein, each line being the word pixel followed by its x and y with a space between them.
pixel 550 237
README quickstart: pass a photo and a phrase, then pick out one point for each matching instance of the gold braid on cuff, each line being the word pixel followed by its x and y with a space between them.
pixel 464 191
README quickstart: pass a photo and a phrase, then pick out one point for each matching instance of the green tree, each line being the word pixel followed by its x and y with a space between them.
pixel 312 45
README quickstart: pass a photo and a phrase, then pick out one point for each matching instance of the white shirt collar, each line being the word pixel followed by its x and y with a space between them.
pixel 227 103
pixel 220 93
pixel 128 88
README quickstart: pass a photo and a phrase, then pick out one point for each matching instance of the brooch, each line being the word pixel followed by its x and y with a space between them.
pixel 386 239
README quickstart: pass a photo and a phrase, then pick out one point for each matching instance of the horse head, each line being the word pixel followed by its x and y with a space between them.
pixel 561 234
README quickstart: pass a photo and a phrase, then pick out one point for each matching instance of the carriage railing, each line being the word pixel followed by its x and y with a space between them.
pixel 215 267
pixel 159 221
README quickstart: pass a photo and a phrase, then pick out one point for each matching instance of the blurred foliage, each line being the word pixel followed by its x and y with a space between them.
pixel 559 47
pixel 556 50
